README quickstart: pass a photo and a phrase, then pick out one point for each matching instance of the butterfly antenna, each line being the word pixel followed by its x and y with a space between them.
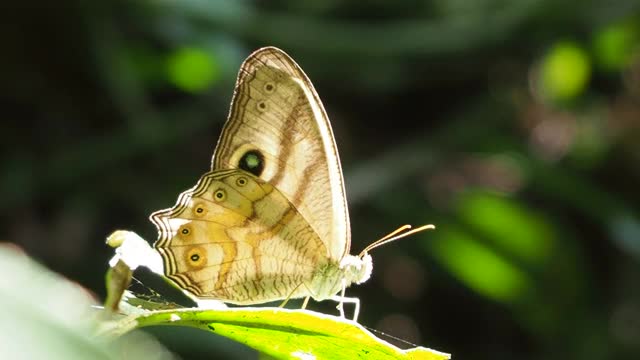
pixel 397 234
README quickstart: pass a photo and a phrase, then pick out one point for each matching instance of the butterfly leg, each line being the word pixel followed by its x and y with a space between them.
pixel 305 302
pixel 352 300
pixel 341 299
pixel 340 304
pixel 285 301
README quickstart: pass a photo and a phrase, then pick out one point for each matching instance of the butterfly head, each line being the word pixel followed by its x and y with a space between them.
pixel 356 269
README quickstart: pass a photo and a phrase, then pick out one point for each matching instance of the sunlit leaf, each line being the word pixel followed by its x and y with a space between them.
pixel 287 334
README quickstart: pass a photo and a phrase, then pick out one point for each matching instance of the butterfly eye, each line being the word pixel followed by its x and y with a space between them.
pixel 241 181
pixel 219 195
pixel 269 88
pixel 262 105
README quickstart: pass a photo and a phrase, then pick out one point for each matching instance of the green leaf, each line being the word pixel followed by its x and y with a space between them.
pixel 284 333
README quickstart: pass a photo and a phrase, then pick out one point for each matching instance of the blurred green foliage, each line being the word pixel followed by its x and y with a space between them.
pixel 615 46
pixel 53 318
pixel 192 69
pixel 478 266
pixel 565 71
pixel 513 126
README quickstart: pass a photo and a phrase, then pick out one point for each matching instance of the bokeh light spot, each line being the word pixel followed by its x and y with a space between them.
pixel 477 266
pixel 615 45
pixel 192 69
pixel 400 326
pixel 403 277
pixel 512 228
pixel 564 72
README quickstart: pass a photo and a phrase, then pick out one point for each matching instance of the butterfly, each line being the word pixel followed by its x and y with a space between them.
pixel 270 220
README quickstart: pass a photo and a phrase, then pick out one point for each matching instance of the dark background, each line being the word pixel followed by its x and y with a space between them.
pixel 512 125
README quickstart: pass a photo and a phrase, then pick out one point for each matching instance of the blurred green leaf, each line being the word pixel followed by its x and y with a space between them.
pixel 476 265
pixel 564 72
pixel 45 316
pixel 192 69
pixel 615 45
pixel 515 230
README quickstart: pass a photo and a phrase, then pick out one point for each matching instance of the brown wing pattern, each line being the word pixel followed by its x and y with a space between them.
pixel 278 130
pixel 235 238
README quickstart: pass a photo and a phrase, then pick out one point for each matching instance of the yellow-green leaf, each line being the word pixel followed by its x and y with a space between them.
pixel 286 334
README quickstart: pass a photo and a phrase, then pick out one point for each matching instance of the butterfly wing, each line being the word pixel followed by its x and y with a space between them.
pixel 235 238
pixel 278 130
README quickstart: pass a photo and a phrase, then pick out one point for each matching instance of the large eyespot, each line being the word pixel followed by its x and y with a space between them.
pixel 253 162
pixel 196 256
pixel 241 181
pixel 262 106
pixel 219 195
pixel 199 210
pixel 269 88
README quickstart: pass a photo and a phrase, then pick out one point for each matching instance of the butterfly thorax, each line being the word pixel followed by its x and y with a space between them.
pixel 330 278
